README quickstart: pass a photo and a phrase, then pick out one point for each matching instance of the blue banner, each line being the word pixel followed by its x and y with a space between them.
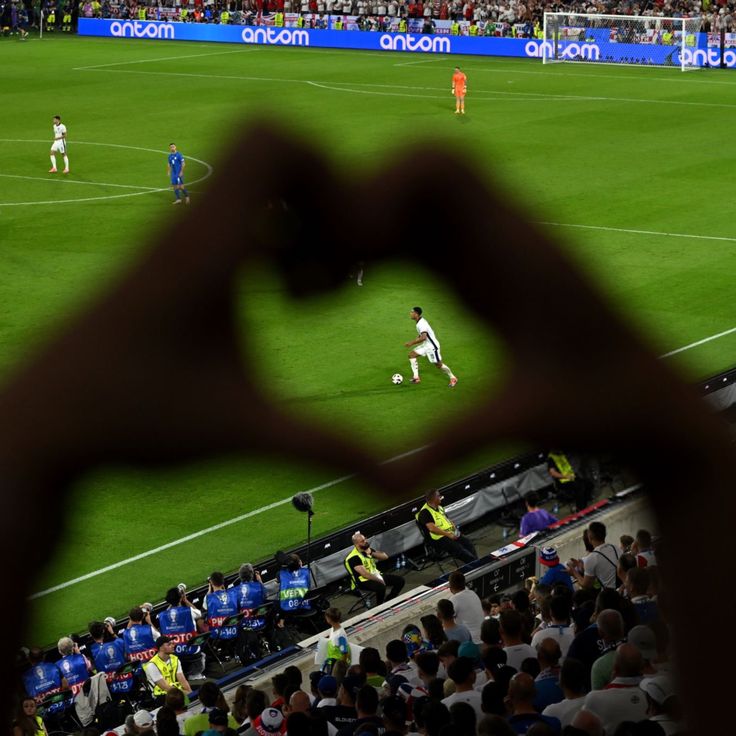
pixel 589 50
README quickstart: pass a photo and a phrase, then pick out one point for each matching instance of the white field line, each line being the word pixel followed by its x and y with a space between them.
pixel 164 58
pixel 59 180
pixel 536 96
pixel 699 342
pixel 640 232
pixel 202 532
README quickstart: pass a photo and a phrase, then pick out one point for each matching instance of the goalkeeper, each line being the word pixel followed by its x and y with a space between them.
pixel 459 88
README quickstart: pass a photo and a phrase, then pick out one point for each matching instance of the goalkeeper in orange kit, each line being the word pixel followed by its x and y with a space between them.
pixel 459 88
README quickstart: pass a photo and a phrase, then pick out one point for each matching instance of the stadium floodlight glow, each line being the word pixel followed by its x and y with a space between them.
pixel 623 39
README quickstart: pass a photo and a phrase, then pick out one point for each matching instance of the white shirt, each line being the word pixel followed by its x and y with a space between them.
pixel 623 702
pixel 563 635
pixel 565 710
pixel 517 653
pixel 59 130
pixel 471 697
pixel 423 326
pixel 601 564
pixel 468 611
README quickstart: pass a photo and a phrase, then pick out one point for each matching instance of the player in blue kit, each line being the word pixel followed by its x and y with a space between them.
pixel 175 170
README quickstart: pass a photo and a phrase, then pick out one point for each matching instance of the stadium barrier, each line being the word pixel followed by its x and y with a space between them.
pixel 593 49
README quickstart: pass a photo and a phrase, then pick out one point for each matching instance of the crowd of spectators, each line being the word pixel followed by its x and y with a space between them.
pixel 593 659
pixel 508 15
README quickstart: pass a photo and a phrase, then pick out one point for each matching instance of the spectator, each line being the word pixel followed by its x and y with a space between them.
pixel 663 705
pixel 279 683
pixel 535 519
pixel 435 716
pixel 398 663
pixel 558 627
pixel 433 631
pixel 238 711
pixel 624 700
pixel 521 602
pixel 428 664
pixel 462 673
pixel 363 572
pixel 167 724
pixel 211 697
pixel 492 701
pixel 366 706
pixel 586 723
pixel 338 648
pixel 511 626
pixel 255 704
pixel 490 634
pixel 394 716
pixel 572 683
pixel 176 701
pixel 645 640
pixel 626 562
pixel 163 670
pixel 611 632
pixel 491 660
pixel 601 564
pixel 453 630
pixel 492 725
pixel 463 719
pixel 327 689
pixel 373 666
pixel 27 721
pixel 467 605
pixel 556 571
pixel 520 702
pixel 269 722
pixel 140 635
pixel 644 550
pixel 546 683
pixel 637 587
pixel 442 532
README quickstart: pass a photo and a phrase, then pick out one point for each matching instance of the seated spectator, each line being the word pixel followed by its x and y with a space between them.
pixel 535 519
pixel 572 683
pixel 511 627
pixel 467 605
pixel 453 630
pixel 462 673
pixel 163 670
pixel 546 683
pixel 442 532
pixel 556 571
pixel 622 701
pixel 520 702
pixel 644 550
pixel 637 587
pixel 558 627
pixel 211 697
pixel 611 632
pixel 433 632
pixel 398 663
pixel 75 668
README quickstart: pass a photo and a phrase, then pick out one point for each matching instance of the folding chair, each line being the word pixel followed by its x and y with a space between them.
pixel 366 599
pixel 432 554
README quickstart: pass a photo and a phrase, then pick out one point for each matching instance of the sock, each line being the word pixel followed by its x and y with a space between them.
pixel 53 162
pixel 446 369
pixel 177 193
pixel 185 192
pixel 66 161
pixel 414 363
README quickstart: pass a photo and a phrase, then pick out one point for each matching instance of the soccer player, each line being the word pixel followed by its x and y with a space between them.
pixel 175 169
pixel 426 344
pixel 59 145
pixel 459 88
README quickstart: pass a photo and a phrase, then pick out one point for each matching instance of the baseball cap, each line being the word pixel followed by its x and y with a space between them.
pixel 162 640
pixel 658 688
pixel 217 717
pixel 470 650
pixel 270 721
pixel 548 556
pixel 642 637
pixel 327 684
pixel 143 719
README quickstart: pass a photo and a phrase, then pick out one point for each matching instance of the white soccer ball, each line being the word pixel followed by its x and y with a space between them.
pixel 397 378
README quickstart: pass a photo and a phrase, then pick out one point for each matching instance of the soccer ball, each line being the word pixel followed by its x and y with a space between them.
pixel 397 378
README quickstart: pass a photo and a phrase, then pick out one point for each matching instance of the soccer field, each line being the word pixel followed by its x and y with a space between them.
pixel 624 161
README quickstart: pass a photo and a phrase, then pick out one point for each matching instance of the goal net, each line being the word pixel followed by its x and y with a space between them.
pixel 617 39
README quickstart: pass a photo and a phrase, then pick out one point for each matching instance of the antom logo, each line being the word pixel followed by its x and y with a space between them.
pixel 271 37
pixel 408 42
pixel 709 57
pixel 589 51
pixel 140 29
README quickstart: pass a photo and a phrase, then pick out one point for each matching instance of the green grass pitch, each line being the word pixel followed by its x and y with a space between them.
pixel 633 153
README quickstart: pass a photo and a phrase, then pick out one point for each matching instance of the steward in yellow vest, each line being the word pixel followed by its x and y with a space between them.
pixel 443 533
pixel 164 671
pixel 402 25
pixel 567 484
pixel 363 571
pixel 455 28
pixel 278 20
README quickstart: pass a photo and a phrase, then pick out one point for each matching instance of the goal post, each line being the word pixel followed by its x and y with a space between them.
pixel 621 39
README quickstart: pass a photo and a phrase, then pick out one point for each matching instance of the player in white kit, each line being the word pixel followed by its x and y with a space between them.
pixel 59 145
pixel 428 345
